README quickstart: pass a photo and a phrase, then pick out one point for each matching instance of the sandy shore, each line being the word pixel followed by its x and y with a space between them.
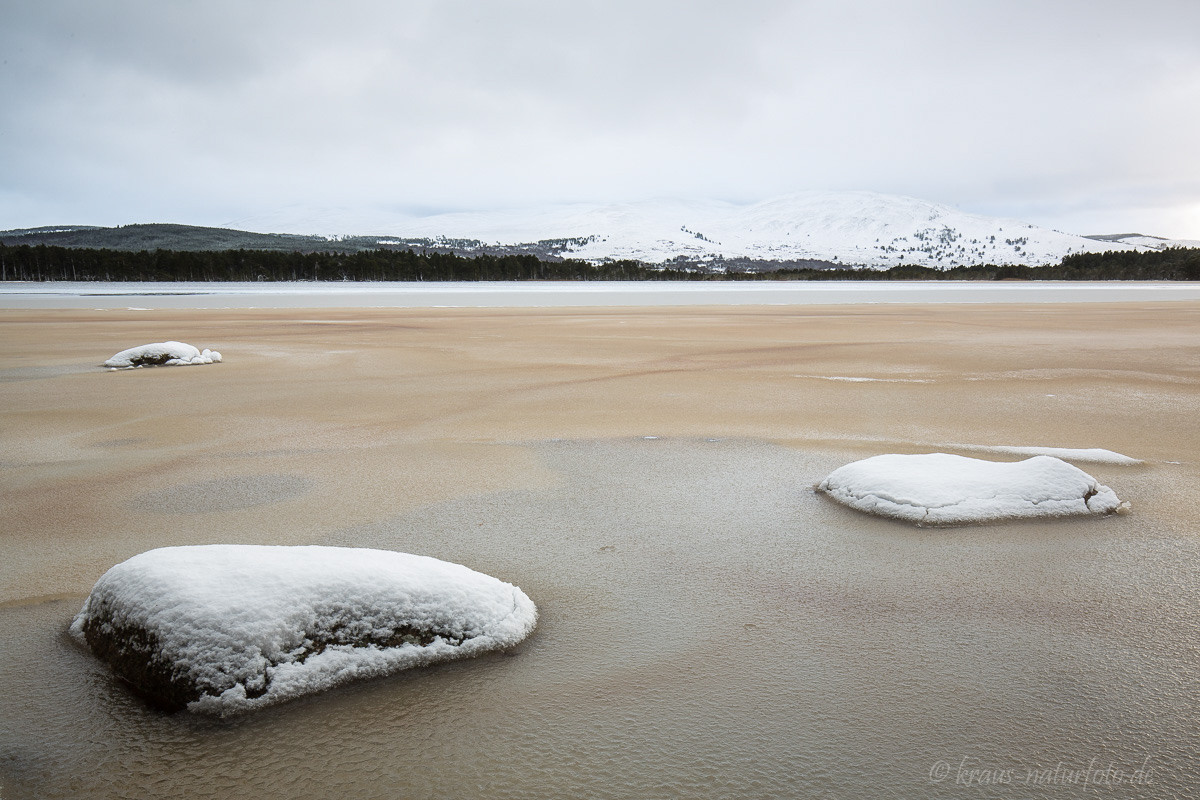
pixel 709 627
pixel 320 419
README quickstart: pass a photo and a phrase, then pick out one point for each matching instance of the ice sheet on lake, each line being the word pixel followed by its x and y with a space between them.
pixel 236 627
pixel 531 294
pixel 943 489
pixel 164 354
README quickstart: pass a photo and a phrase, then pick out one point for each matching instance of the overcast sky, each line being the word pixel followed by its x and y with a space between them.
pixel 1080 115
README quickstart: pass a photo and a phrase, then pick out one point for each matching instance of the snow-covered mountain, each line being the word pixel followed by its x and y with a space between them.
pixel 851 228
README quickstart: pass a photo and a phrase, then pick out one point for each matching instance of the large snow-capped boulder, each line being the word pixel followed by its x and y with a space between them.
pixel 227 628
pixel 164 354
pixel 943 489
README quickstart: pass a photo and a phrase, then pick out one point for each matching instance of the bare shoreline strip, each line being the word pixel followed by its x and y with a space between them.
pixel 551 294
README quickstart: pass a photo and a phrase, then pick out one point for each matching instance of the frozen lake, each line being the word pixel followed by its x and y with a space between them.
pixel 530 294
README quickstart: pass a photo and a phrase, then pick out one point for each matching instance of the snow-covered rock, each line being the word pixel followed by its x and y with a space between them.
pixel 228 628
pixel 165 354
pixel 943 489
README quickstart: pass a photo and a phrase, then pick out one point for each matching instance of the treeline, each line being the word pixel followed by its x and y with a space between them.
pixel 1174 264
pixel 49 263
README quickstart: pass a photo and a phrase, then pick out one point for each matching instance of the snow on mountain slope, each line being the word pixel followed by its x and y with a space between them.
pixel 1144 241
pixel 852 228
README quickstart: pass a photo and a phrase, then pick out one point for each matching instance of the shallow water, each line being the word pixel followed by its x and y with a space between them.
pixel 709 627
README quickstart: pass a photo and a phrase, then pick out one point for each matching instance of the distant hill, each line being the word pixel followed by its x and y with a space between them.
pixel 167 236
pixel 806 228
pixel 164 236
pixel 809 230
pixel 1142 240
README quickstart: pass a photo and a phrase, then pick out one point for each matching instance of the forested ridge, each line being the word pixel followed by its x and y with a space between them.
pixel 52 263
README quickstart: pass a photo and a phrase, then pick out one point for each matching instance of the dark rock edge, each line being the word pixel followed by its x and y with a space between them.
pixel 135 655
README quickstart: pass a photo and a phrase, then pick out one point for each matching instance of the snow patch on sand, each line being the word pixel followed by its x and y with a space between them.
pixel 162 354
pixel 1089 455
pixel 944 489
pixel 237 627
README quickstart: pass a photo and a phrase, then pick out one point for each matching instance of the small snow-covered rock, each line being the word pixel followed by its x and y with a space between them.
pixel 228 628
pixel 943 489
pixel 167 354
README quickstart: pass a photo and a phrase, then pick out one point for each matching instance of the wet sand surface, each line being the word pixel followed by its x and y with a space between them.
pixel 709 626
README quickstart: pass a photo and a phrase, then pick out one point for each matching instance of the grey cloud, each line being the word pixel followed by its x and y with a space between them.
pixel 205 112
